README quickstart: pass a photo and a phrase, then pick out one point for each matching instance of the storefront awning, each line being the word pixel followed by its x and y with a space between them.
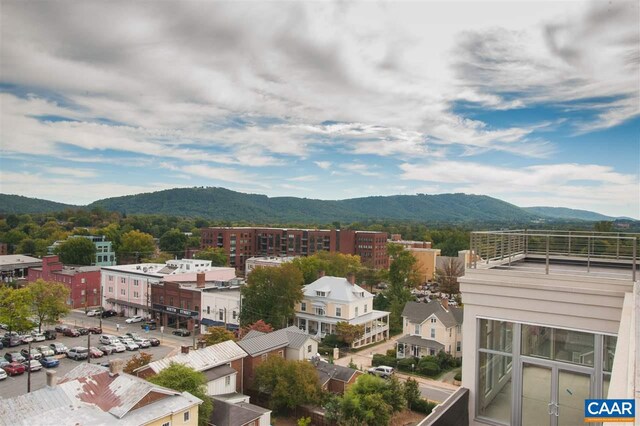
pixel 125 303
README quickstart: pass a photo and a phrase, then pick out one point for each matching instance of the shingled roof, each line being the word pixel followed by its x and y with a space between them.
pixel 418 312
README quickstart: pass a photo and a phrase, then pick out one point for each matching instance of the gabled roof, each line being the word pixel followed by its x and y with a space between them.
pixel 229 414
pixel 418 312
pixel 419 341
pixel 337 289
pixel 201 359
pixel 328 371
pixel 258 343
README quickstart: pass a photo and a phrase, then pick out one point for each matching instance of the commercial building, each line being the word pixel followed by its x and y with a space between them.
pixel 83 282
pixel 242 243
pixel 266 262
pixel 550 319
pixel 16 266
pixel 330 300
pixel 105 255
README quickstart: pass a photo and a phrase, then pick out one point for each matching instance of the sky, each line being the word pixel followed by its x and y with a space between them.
pixel 534 103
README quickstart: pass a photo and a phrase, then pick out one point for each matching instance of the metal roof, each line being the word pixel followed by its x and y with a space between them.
pixel 202 359
pixel 291 337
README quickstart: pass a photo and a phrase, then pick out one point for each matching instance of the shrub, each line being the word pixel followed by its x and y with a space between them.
pixel 331 340
pixel 445 360
pixel 423 406
pixel 405 364
pixel 392 353
pixel 458 376
pixel 428 368
pixel 379 359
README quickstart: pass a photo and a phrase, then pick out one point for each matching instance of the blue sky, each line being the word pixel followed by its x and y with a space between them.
pixel 535 103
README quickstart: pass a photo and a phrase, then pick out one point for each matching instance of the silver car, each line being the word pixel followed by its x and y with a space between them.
pixel 131 346
pixel 118 347
pixel 143 343
pixel 46 351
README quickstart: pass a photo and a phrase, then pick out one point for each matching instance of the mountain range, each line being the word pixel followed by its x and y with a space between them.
pixel 223 204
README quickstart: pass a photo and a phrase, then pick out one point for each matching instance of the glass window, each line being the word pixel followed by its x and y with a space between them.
pixel 416 329
pixel 186 413
pixel 433 333
pixel 494 387
pixel 338 311
pixel 553 343
pixel 606 380
pixel 303 306
pixel 496 335
pixel 609 349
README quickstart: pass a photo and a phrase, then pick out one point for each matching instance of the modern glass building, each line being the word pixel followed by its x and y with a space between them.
pixel 548 322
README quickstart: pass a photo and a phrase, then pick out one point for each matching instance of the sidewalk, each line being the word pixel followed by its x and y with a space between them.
pixel 363 358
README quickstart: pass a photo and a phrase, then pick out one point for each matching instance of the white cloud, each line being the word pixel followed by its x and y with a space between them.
pixel 361 169
pixel 66 171
pixel 323 164
pixel 305 178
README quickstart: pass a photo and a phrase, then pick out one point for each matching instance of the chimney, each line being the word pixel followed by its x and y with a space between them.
pixel 321 273
pixel 115 366
pixel 351 277
pixel 184 349
pixel 51 379
pixel 445 304
pixel 200 280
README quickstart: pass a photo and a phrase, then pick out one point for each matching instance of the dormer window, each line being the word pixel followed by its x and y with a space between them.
pixel 321 293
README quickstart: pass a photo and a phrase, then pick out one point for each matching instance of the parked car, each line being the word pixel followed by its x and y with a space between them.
pixel 38 337
pixel 60 328
pixel 119 347
pixel 133 319
pixel 107 339
pixel 35 354
pixel 32 365
pixel 93 312
pixel 25 339
pixel 107 349
pixel 382 371
pixel 11 341
pixel 70 332
pixel 1 345
pixel 4 326
pixel 3 374
pixel 14 357
pixel 131 346
pixel 151 324
pixel 124 337
pixel 14 368
pixel 134 336
pixel 154 341
pixel 49 362
pixel 77 353
pixel 182 332
pixel 109 313
pixel 58 348
pixel 45 351
pixel 95 352
pixel 50 334
pixel 143 343
pixel 83 331
pixel 95 330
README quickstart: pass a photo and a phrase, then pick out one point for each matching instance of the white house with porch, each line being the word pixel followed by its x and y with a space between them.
pixel 330 300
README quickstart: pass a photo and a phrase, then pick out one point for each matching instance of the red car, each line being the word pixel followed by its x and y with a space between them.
pixel 70 332
pixel 14 368
pixel 95 352
pixel 95 330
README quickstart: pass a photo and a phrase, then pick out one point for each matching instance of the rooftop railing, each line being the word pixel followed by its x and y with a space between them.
pixel 499 248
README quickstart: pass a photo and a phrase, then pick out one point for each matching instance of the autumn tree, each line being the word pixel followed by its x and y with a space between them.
pixel 259 325
pixel 447 275
pixel 271 294
pixel 48 301
pixel 139 360
pixel 217 256
pixel 135 244
pixel 77 251
pixel 15 309
pixel 185 379
pixel 349 333
pixel 217 335
pixel 289 383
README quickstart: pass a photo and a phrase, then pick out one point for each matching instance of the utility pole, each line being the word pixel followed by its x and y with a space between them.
pixel 89 348
pixel 29 370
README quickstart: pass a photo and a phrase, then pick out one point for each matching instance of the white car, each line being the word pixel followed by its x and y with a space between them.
pixel 93 312
pixel 382 371
pixel 107 339
pixel 136 318
pixel 38 337
pixel 118 347
pixel 3 374
pixel 131 346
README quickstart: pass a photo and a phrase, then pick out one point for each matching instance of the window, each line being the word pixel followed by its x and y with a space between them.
pixel 321 293
pixel 458 346
pixel 136 282
pixel 110 290
pixel 208 309
pixel 281 354
pixel 136 294
pixel 365 308
pixel 303 306
pixel 123 280
pixel 122 291
pixel 110 277
pixel 161 299
pixel 309 349
pixel 450 329
pixel 227 380
pixel 187 415
pixel 235 315
pixel 416 329
pixel 221 314
pixel 319 311
pixel 166 424
pixel 82 292
pixel 356 311
pixel 433 333
pixel 433 320
pixel 338 311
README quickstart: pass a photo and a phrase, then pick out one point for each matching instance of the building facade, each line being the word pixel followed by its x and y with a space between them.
pixel 16 266
pixel 330 300
pixel 267 262
pixel 221 306
pixel 426 262
pixel 242 243
pixel 430 328
pixel 83 282
pixel 547 324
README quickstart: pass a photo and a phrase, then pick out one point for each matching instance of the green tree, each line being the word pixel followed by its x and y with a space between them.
pixel 333 264
pixel 411 392
pixel 173 241
pixel 447 276
pixel 77 251
pixel 15 309
pixel 27 246
pixel 185 379
pixel 48 301
pixel 139 360
pixel 403 270
pixel 349 333
pixel 217 335
pixel 217 256
pixel 135 244
pixel 271 294
pixel 366 403
pixel 289 383
pixel 603 226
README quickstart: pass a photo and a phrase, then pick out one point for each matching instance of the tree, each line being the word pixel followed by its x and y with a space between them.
pixel 366 403
pixel 185 379
pixel 15 309
pixel 217 335
pixel 173 241
pixel 259 325
pixel 403 270
pixel 349 333
pixel 447 275
pixel 137 361
pixel 603 226
pixel 217 256
pixel 271 294
pixel 412 392
pixel 48 301
pixel 135 244
pixel 77 251
pixel 333 264
pixel 289 383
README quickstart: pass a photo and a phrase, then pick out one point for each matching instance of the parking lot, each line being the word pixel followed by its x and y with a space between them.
pixel 17 385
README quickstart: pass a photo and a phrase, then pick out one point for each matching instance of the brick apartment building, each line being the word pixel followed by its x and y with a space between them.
pixel 242 243
pixel 82 281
